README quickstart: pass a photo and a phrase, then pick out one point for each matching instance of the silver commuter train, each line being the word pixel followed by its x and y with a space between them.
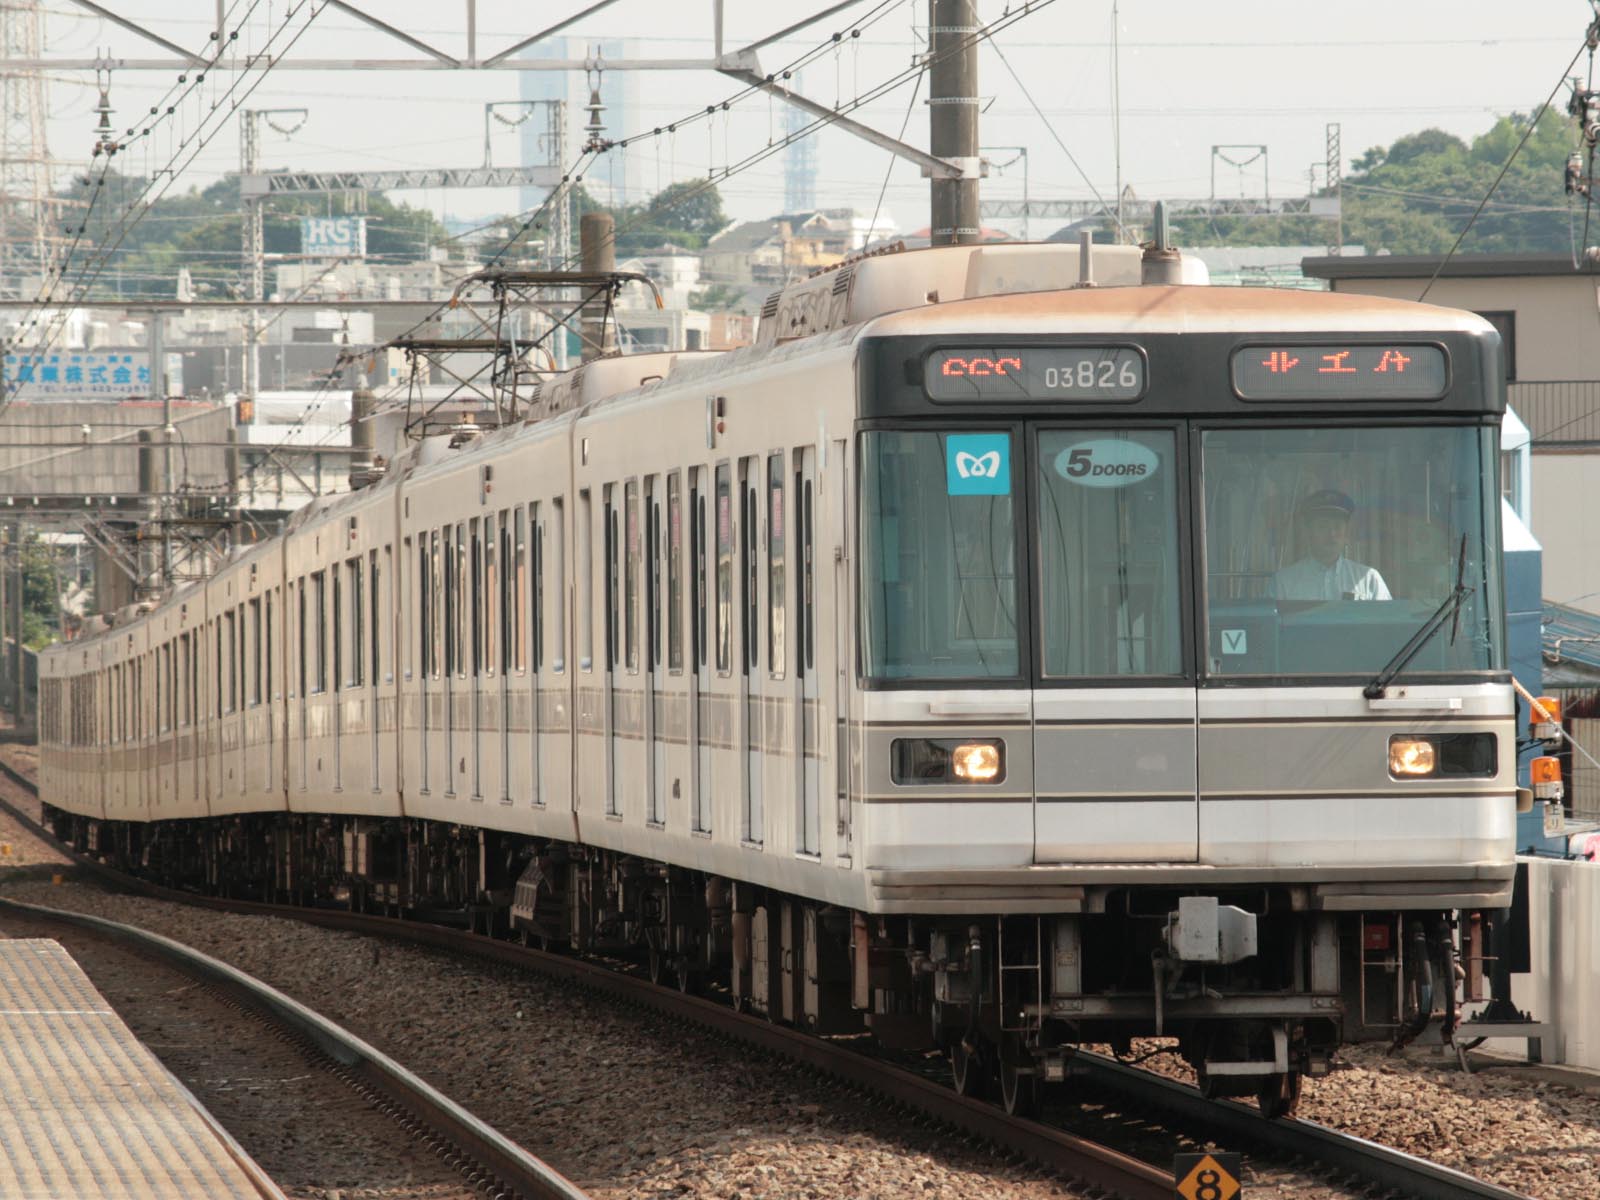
pixel 979 659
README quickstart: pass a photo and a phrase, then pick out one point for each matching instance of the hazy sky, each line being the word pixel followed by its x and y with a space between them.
pixel 1193 75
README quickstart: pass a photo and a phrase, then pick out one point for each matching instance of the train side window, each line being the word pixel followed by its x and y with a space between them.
pixel 408 610
pixel 557 590
pixel 520 599
pixel 674 573
pixel 266 662
pixel 358 634
pixel 613 537
pixel 699 580
pixel 424 607
pixel 294 628
pixel 749 543
pixel 630 576
pixel 510 611
pixel 233 661
pixel 724 569
pixel 451 660
pixel 652 572
pixel 777 591
pixel 338 629
pixel 319 650
pixel 491 593
pixel 217 665
pixel 475 596
pixel 585 576
pixel 460 599
pixel 807 656
pixel 375 603
pixel 255 652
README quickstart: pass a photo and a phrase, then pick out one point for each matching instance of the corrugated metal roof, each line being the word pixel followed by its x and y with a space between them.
pixel 1570 635
pixel 1460 266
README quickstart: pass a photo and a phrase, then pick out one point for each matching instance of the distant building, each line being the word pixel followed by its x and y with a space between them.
pixel 775 250
pixel 675 270
pixel 1546 312
pixel 729 331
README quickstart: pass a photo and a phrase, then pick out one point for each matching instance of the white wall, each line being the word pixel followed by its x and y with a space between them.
pixel 1564 928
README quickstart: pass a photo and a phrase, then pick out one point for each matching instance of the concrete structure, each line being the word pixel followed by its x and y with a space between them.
pixel 1564 937
pixel 1548 313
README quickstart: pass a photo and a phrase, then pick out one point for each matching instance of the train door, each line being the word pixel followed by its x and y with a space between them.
pixel 452 650
pixel 338 629
pixel 701 508
pixel 375 625
pixel 512 607
pixel 654 694
pixel 750 689
pixel 613 605
pixel 841 643
pixel 809 745
pixel 480 535
pixel 1114 720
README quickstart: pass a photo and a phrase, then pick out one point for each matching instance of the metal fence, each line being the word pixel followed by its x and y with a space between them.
pixel 1584 798
pixel 1563 413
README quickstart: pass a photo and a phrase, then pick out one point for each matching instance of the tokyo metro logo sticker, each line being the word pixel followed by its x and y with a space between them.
pixel 978 464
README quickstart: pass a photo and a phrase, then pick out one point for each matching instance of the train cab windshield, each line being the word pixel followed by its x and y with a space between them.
pixel 1318 552
pixel 1327 548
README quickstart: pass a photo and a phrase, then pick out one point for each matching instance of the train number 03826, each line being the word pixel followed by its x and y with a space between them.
pixel 1106 375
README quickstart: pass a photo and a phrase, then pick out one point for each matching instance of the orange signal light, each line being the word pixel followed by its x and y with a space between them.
pixel 1551 706
pixel 1544 770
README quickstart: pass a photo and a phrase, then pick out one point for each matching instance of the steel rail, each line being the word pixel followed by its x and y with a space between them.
pixel 1083 1160
pixel 1405 1174
pixel 498 1158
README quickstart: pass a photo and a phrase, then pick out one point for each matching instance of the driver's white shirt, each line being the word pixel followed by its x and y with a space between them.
pixel 1308 579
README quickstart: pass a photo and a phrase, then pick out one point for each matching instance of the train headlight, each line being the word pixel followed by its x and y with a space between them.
pixel 947 760
pixel 1411 757
pixel 976 762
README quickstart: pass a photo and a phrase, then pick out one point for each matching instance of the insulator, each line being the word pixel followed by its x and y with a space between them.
pixel 595 107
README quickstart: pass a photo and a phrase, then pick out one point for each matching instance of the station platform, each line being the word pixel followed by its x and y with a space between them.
pixel 86 1111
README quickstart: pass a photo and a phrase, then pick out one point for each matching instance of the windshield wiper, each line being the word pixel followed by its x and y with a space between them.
pixel 1449 609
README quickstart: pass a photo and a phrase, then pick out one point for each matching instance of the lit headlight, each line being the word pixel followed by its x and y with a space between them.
pixel 947 760
pixel 1410 756
pixel 976 762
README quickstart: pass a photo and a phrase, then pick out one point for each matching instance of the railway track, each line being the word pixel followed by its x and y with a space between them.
pixel 1086 1163
pixel 486 1160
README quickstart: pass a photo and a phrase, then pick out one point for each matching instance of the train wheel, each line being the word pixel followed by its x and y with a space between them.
pixel 656 963
pixel 1019 1086
pixel 969 1068
pixel 1279 1095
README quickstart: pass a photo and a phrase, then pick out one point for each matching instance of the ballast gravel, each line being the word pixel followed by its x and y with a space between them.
pixel 629 1104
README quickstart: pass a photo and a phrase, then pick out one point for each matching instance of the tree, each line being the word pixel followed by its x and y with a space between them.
pixel 1417 194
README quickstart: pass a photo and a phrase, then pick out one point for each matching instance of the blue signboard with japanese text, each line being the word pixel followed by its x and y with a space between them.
pixel 76 375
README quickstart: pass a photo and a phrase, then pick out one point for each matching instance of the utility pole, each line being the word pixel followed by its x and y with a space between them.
pixel 28 240
pixel 953 118
pixel 597 240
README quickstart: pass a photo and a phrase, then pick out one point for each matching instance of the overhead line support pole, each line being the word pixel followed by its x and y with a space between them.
pixel 953 118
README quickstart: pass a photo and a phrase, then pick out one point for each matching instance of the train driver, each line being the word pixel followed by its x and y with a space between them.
pixel 1325 573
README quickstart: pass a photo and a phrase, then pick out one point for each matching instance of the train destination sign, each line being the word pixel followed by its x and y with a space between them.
pixel 1070 373
pixel 1340 372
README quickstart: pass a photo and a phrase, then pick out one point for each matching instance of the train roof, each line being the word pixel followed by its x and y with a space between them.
pixel 1139 310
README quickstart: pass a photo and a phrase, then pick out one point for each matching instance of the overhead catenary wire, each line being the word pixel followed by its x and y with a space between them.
pixel 1533 124
pixel 191 143
pixel 1050 127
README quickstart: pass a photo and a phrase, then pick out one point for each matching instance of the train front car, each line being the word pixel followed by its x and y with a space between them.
pixel 1184 702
